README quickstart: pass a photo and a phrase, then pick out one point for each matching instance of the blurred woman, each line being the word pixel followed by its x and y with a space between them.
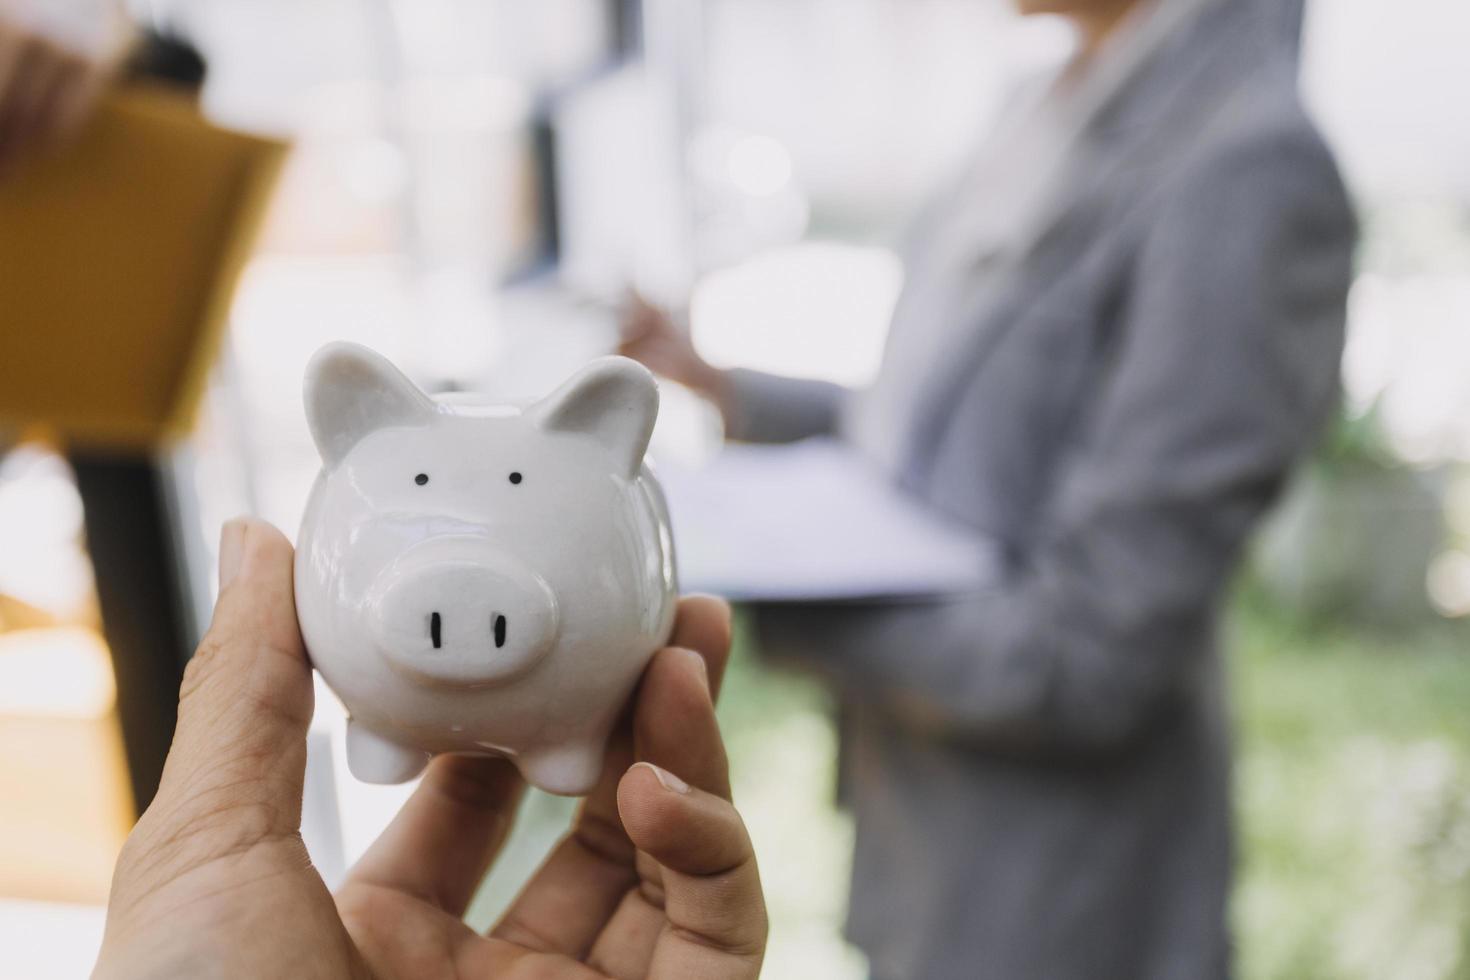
pixel 1119 329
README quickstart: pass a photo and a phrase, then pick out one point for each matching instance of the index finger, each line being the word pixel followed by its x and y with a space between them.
pixel 576 891
pixel 716 914
pixel 703 625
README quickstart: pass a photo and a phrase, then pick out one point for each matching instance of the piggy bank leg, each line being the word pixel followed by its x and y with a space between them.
pixel 566 770
pixel 374 759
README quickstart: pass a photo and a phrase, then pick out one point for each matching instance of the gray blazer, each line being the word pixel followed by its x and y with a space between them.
pixel 1040 774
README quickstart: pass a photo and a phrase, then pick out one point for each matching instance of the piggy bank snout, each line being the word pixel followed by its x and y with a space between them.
pixel 463 620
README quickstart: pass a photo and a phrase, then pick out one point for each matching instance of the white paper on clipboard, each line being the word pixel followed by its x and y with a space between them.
pixel 813 522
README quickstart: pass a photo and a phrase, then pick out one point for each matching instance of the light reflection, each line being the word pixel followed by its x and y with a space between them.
pixel 63 673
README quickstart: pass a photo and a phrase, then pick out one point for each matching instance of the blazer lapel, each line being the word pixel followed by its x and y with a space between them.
pixel 1139 126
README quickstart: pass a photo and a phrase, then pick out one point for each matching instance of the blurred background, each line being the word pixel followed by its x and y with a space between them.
pixel 471 186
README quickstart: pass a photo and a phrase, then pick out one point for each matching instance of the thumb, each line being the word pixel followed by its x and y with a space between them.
pixel 239 752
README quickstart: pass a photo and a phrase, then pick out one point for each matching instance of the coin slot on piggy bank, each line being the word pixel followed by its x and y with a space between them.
pixel 452 610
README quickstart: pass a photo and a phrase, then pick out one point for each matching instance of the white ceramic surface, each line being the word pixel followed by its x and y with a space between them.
pixel 479 577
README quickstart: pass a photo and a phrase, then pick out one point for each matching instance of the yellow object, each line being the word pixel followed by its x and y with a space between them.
pixel 118 259
pixel 62 672
pixel 65 804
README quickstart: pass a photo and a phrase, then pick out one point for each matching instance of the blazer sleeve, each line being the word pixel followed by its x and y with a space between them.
pixel 771 408
pixel 1225 367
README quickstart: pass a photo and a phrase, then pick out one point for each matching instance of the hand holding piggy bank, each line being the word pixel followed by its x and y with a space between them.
pixel 483 578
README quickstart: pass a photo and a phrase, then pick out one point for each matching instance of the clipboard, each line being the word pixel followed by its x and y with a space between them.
pixel 118 261
pixel 813 522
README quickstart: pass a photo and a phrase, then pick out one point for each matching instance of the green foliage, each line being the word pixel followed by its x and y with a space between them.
pixel 1354 443
pixel 783 755
pixel 1353 789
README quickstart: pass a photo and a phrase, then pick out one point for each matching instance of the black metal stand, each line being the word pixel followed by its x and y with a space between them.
pixel 141 600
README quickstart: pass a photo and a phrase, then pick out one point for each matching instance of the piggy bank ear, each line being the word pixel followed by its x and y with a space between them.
pixel 613 400
pixel 352 391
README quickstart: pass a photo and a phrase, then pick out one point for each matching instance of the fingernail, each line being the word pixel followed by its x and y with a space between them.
pixel 667 779
pixel 700 666
pixel 231 551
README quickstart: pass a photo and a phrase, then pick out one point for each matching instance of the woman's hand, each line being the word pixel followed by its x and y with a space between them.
pixel 655 879
pixel 651 337
pixel 47 90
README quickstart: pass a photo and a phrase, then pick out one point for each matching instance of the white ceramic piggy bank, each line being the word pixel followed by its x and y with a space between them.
pixel 483 578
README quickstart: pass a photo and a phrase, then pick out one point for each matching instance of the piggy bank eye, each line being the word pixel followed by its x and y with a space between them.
pixel 515 478
pixel 421 479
